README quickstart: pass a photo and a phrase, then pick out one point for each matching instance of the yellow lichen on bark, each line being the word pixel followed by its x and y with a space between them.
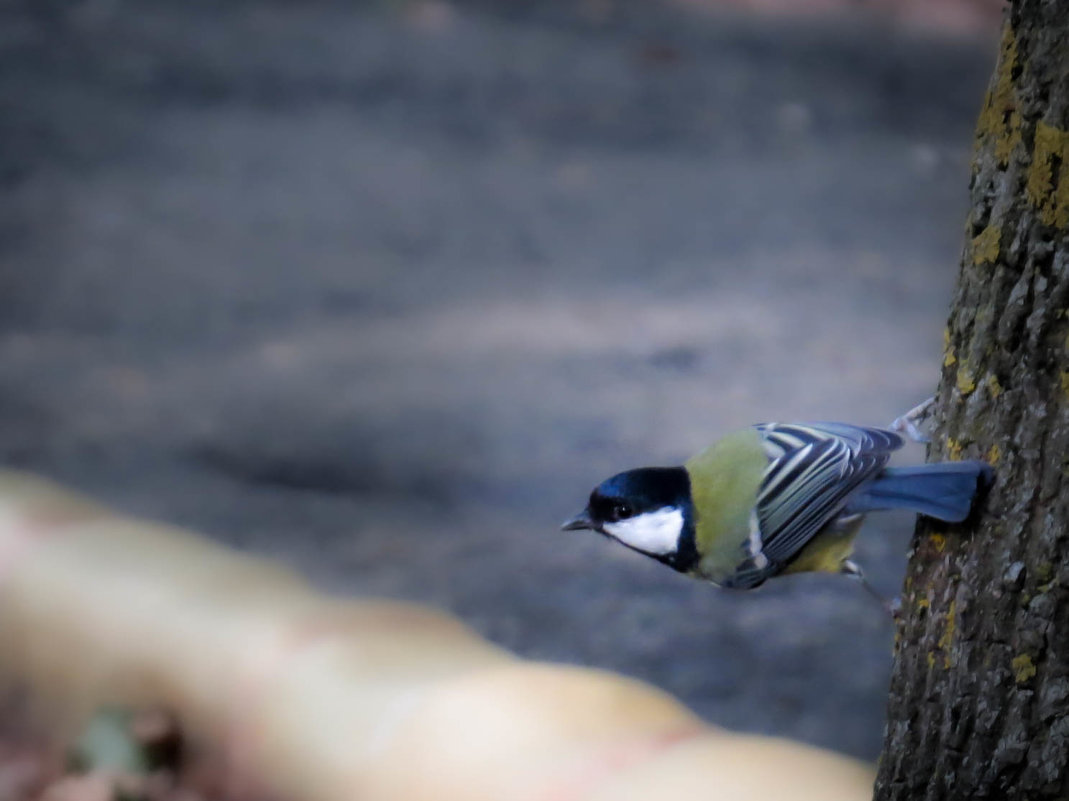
pixel 994 453
pixel 1023 668
pixel 1008 141
pixel 1048 177
pixel 947 639
pixel 985 245
pixel 948 351
pixel 999 117
pixel 994 388
pixel 966 382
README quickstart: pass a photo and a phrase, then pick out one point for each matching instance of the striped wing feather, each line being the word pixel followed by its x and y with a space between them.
pixel 813 470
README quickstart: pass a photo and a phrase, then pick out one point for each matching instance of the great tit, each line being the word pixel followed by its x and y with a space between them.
pixel 775 498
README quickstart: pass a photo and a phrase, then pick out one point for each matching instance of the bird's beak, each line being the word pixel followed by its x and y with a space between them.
pixel 579 522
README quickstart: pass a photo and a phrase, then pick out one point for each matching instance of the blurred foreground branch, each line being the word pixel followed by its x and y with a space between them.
pixel 321 700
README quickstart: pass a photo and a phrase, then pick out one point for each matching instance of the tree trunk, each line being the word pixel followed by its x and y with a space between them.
pixel 979 699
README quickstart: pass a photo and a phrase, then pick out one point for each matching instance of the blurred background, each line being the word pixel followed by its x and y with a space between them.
pixel 383 289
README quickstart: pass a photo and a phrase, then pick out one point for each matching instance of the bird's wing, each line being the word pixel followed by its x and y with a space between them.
pixel 813 469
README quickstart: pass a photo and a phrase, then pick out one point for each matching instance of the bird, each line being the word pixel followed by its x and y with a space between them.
pixel 777 498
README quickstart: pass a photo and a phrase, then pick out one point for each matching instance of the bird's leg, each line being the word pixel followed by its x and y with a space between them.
pixel 909 423
pixel 855 572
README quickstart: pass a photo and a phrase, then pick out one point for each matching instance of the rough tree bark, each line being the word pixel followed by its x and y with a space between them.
pixel 979 700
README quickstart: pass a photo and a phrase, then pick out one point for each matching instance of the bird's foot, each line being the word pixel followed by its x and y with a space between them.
pixel 893 606
pixel 909 423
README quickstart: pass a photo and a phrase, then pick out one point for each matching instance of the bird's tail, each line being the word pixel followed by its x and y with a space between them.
pixel 945 491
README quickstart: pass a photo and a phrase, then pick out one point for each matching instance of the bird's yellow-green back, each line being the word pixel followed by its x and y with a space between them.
pixel 724 480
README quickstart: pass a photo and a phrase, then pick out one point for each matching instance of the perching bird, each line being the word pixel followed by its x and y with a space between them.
pixel 775 498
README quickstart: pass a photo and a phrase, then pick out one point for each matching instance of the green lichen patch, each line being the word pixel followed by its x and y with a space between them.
pixel 985 245
pixel 949 358
pixel 1023 668
pixel 994 454
pixel 966 381
pixel 994 388
pixel 946 640
pixel 1047 188
pixel 999 119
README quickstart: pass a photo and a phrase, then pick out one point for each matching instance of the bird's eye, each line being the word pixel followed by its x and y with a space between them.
pixel 621 511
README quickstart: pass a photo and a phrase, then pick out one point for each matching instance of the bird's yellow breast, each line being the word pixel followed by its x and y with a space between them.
pixel 827 551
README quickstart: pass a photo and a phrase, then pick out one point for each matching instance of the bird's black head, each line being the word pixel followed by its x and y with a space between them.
pixel 648 510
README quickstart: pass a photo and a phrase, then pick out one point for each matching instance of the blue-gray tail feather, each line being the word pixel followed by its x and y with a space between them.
pixel 945 491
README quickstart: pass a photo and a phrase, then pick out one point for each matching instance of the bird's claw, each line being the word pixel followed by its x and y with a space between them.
pixel 909 423
pixel 894 607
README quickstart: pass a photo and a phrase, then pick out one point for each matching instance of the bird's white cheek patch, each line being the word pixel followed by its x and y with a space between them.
pixel 653 532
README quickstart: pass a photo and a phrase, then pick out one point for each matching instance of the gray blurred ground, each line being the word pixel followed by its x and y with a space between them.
pixel 383 290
